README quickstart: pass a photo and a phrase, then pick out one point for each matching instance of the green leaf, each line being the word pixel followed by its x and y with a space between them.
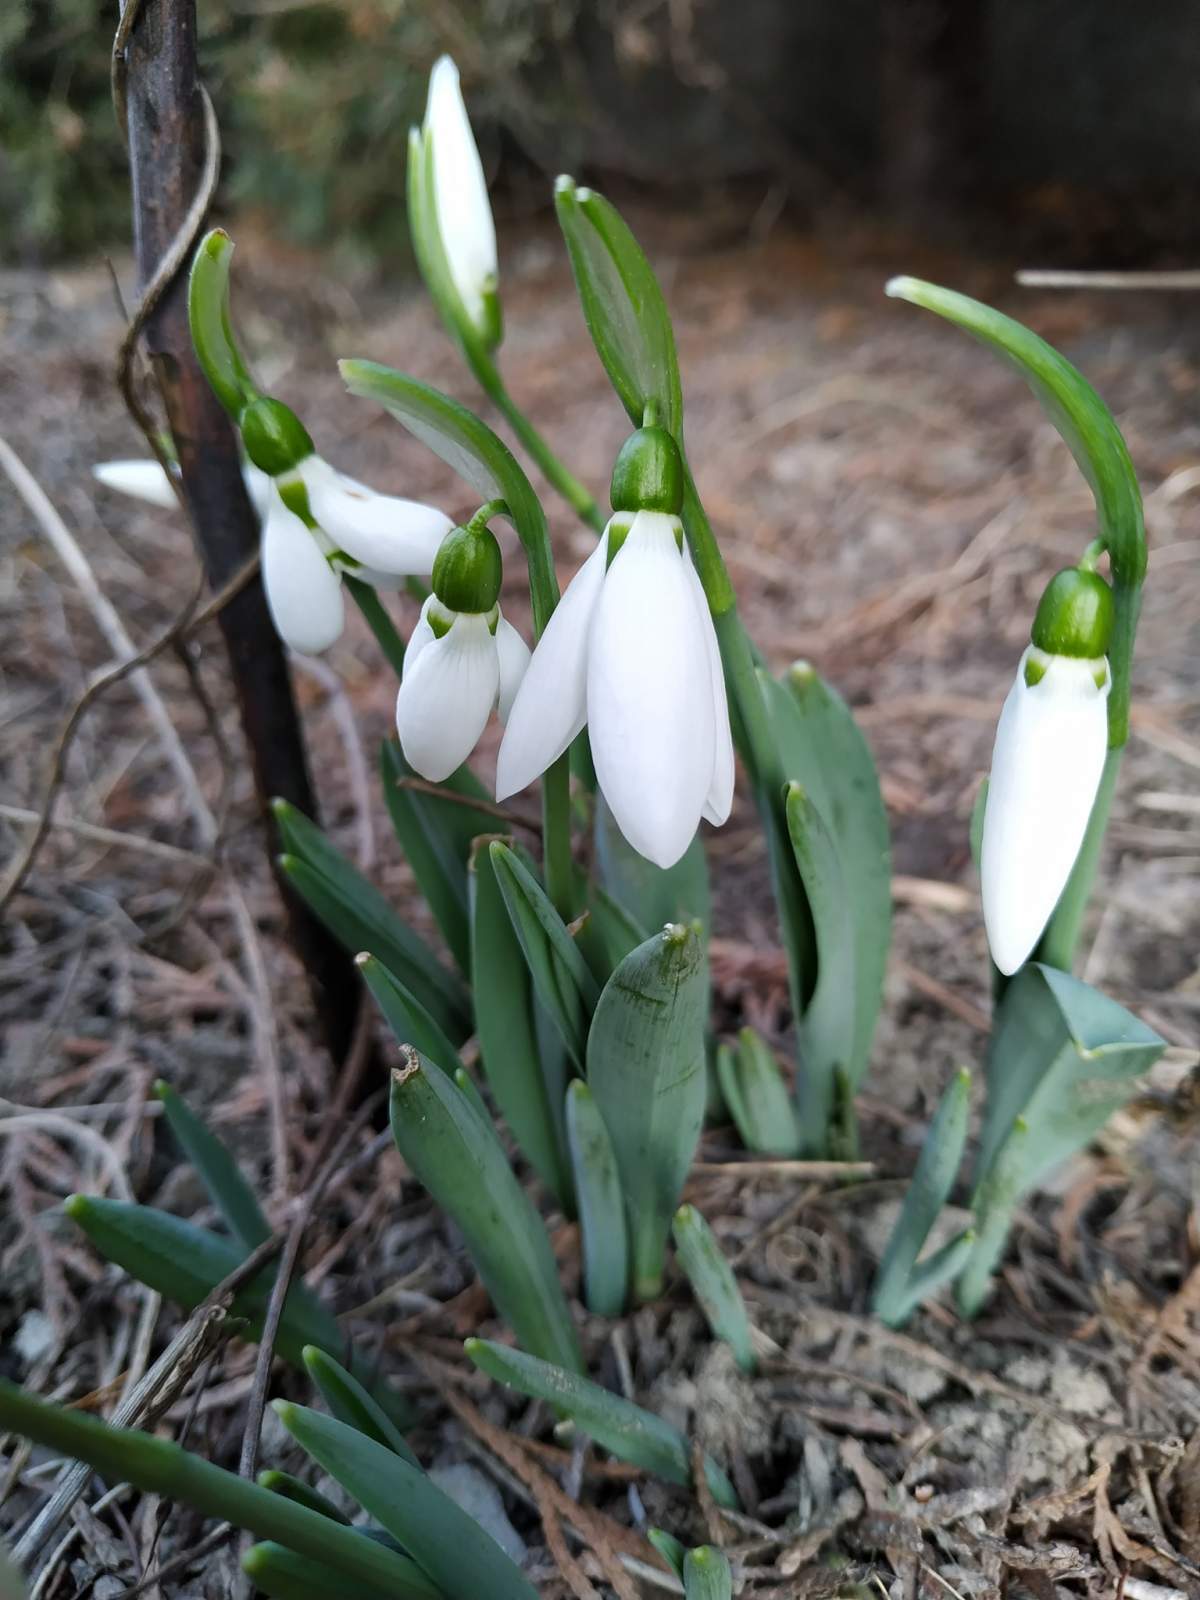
pixel 1062 1059
pixel 714 1285
pixel 622 304
pixel 284 1575
pixel 617 1425
pixel 353 1404
pixel 211 325
pixel 757 1096
pixel 471 448
pixel 406 1017
pixel 1087 426
pixel 506 1025
pixel 292 1488
pixel 826 1030
pixel 160 1467
pixel 458 1158
pixel 460 1558
pixel 671 1549
pixel 358 915
pixel 560 975
pixel 651 896
pixel 230 1193
pixel 601 1207
pixel 606 933
pixel 707 1574
pixel 645 1066
pixel 437 836
pixel 893 1300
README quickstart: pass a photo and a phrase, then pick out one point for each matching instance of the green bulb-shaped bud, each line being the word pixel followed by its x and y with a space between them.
pixel 468 569
pixel 275 439
pixel 648 475
pixel 1075 615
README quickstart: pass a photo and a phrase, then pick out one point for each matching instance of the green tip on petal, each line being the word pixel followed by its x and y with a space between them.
pixel 1075 615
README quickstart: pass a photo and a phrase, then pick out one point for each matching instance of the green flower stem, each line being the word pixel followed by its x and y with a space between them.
pixel 568 486
pixel 377 619
pixel 1058 943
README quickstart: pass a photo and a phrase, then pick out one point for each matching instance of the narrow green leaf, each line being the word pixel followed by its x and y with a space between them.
pixel 939 1268
pixel 707 1574
pixel 671 1549
pixel 211 326
pixel 936 1169
pixel 646 1068
pixel 230 1193
pixel 622 304
pixel 405 1016
pixel 757 1097
pixel 995 1202
pixel 826 1029
pixel 458 1158
pixel 714 1285
pixel 450 1546
pixel 352 1403
pixel 560 975
pixel 651 896
pixel 617 1425
pixel 606 933
pixel 158 1466
pixel 284 1575
pixel 437 836
pixel 507 1029
pixel 601 1207
pixel 292 1488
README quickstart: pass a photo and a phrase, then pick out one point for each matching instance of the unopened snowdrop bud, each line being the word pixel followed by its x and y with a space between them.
pixel 1047 763
pixel 462 210
pixel 631 652
pixel 463 660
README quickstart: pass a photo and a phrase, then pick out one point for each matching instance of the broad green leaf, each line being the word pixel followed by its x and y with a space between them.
pixel 707 1574
pixel 928 1191
pixel 406 1017
pixel 601 1207
pixel 826 1030
pixel 160 1467
pixel 560 975
pixel 651 896
pixel 475 453
pixel 506 1026
pixel 622 304
pixel 457 1157
pixel 228 1189
pixel 293 1488
pixel 283 1575
pixel 618 1426
pixel 757 1097
pixel 358 915
pixel 713 1284
pixel 353 1404
pixel 671 1549
pixel 1087 426
pixel 458 1555
pixel 646 1069
pixel 437 835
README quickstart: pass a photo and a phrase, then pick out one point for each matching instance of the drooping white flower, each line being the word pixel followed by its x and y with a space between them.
pixel 1048 759
pixel 146 480
pixel 459 666
pixel 631 651
pixel 460 199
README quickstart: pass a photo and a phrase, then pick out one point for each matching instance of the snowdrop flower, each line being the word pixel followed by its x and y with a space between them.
pixel 631 651
pixel 463 660
pixel 461 208
pixel 1048 759
pixel 317 524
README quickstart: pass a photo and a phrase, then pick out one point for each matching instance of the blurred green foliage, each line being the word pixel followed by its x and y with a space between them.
pixel 314 101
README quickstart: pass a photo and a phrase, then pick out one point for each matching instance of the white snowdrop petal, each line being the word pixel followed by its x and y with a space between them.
pixel 1048 759
pixel 446 698
pixel 304 594
pixel 421 636
pixel 387 534
pixel 649 694
pixel 464 213
pixel 551 704
pixel 142 480
pixel 512 653
pixel 719 800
